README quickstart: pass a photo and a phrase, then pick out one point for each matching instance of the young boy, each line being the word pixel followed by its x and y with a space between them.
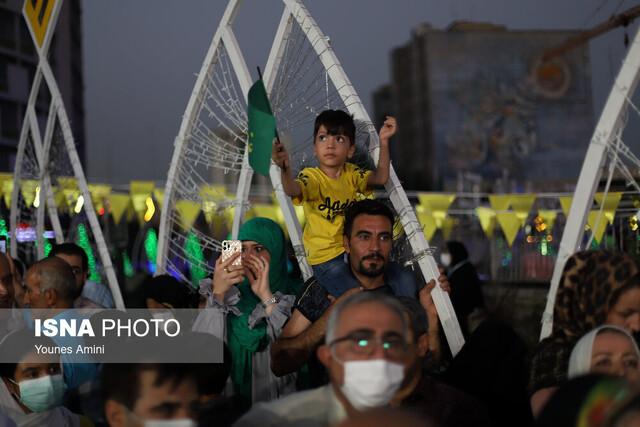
pixel 326 191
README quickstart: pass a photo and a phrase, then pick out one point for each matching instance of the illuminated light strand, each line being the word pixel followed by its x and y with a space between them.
pixel 195 257
pixel 126 265
pixel 83 241
pixel 151 210
pixel 151 249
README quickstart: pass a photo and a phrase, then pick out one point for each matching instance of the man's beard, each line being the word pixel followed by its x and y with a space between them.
pixel 374 270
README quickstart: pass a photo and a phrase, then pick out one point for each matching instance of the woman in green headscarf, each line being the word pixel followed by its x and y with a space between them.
pixel 251 315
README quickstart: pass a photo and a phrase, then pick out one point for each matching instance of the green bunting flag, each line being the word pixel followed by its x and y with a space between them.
pixel 262 128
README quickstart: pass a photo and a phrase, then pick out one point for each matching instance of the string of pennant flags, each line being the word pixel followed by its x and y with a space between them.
pixel 509 212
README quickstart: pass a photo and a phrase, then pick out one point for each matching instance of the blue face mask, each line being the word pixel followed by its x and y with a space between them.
pixel 42 394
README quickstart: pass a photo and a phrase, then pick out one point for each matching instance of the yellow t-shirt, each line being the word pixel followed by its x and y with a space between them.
pixel 324 200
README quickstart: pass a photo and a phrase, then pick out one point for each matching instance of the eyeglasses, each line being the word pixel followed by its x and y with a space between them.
pixel 362 344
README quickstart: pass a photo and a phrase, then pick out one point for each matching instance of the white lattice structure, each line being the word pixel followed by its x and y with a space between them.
pixel 303 77
pixel 606 144
pixel 49 160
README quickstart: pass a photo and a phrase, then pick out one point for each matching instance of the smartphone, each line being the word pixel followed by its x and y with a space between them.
pixel 230 248
pixel 3 244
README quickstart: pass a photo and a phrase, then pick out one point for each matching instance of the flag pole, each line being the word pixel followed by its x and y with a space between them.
pixel 274 117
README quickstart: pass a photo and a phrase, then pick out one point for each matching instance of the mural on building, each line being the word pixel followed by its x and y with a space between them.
pixel 499 111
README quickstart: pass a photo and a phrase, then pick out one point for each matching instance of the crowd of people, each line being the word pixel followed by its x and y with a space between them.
pixel 359 343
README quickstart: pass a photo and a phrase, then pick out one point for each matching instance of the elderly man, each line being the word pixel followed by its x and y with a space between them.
pixel 368 240
pixel 50 293
pixel 366 352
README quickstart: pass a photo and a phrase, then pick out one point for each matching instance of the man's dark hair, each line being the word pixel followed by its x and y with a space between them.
pixel 166 289
pixel 417 316
pixel 337 122
pixel 72 249
pixel 20 267
pixel 121 381
pixel 365 207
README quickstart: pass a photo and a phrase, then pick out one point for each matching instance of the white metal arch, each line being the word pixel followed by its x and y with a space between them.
pixel 30 132
pixel 295 13
pixel 608 125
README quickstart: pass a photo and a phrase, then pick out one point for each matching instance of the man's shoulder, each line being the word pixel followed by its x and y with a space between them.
pixel 313 301
pixel 302 408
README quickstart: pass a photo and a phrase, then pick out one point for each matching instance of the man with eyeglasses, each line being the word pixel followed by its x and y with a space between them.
pixel 366 352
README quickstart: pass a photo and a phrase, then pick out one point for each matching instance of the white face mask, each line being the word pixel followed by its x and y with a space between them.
pixel 371 383
pixel 182 422
pixel 445 259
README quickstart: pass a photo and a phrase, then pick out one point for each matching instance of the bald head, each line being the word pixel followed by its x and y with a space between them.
pixel 6 282
pixel 50 274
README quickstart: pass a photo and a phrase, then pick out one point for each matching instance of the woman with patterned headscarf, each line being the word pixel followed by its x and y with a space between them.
pixel 249 305
pixel 596 288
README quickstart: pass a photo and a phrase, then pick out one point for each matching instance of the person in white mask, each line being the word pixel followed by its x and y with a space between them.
pixel 366 353
pixel 32 386
pixel 149 394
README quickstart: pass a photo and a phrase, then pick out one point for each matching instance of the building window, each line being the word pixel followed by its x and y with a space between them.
pixel 7 29
pixel 26 42
pixel 4 73
pixel 9 120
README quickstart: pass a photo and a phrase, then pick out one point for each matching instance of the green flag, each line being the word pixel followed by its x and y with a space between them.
pixel 262 128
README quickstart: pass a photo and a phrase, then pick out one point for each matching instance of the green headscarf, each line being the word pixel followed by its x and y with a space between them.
pixel 242 341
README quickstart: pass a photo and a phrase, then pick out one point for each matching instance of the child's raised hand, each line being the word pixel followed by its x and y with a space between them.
pixel 389 128
pixel 279 155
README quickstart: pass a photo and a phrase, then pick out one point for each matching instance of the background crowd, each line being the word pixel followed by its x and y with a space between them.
pixel 359 343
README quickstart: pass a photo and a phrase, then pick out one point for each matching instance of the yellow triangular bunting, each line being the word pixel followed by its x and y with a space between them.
pixel 610 204
pixel 99 192
pixel 159 196
pixel 601 225
pixel 188 211
pixel 28 188
pixel 447 227
pixel 521 205
pixel 500 202
pixel 427 221
pixel 69 188
pixel 487 218
pixel 6 188
pixel 140 191
pixel 118 204
pixel 510 225
pixel 565 202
